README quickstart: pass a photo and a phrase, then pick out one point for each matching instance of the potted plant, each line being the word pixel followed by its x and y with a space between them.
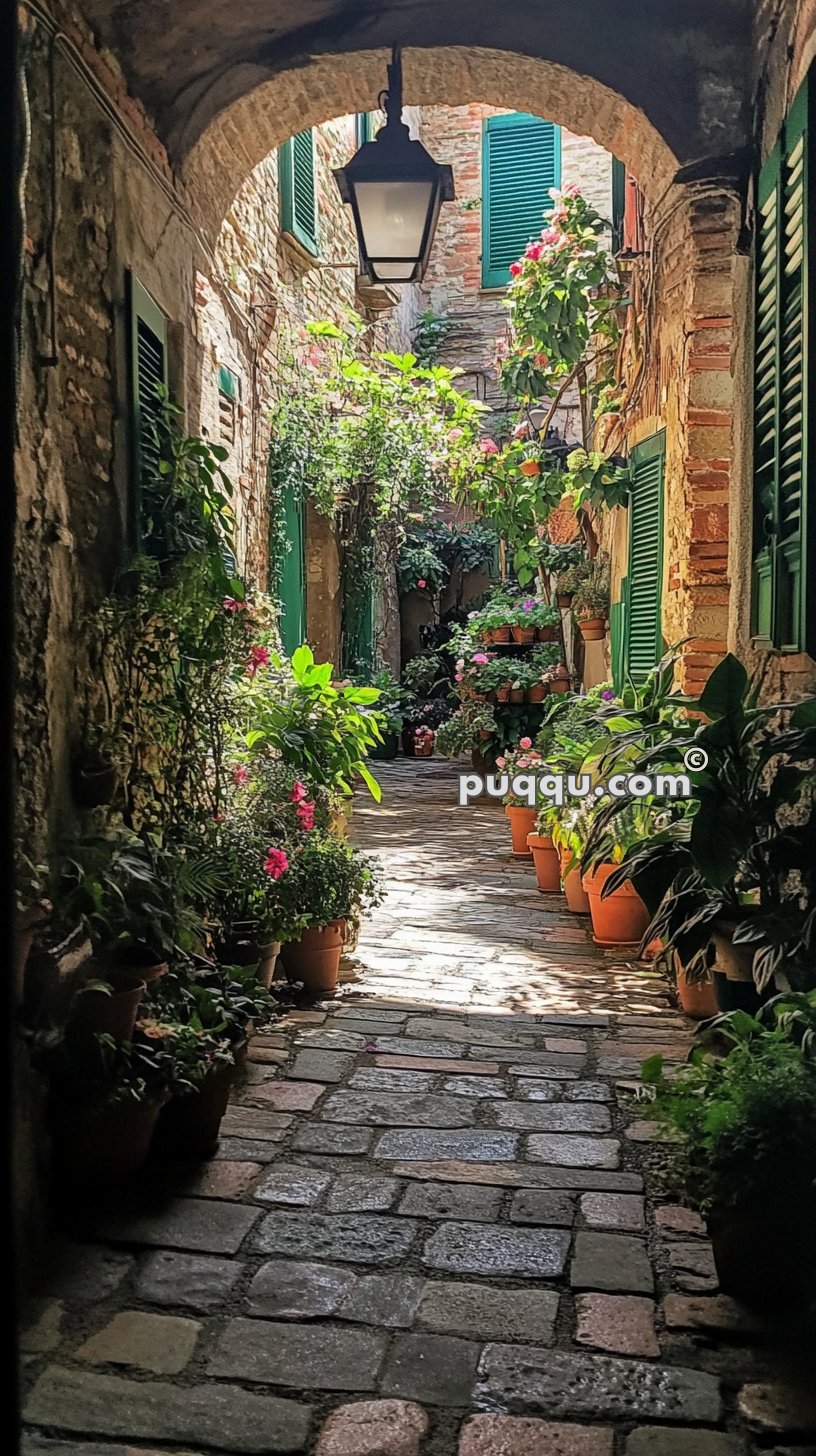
pixel 425 713
pixel 698 998
pixel 522 816
pixel 203 1072
pixel 546 621
pixel 570 580
pixel 591 602
pixel 523 625
pixel 325 885
pixel 390 709
pixel 107 1004
pixel 619 916
pixel 32 910
pixel 460 734
pixel 546 860
pixel 423 741
pixel 743 1113
pixel 104 1103
pixel 557 677
pixel 561 824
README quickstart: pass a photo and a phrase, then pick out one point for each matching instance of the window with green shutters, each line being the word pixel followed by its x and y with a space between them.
pixel 643 588
pixel 298 190
pixel 147 349
pixel 521 161
pixel 782 595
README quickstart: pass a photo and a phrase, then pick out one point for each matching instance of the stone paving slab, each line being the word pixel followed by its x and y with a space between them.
pixel 227 1417
pixel 183 1223
pixel 352 1238
pixel 465 1248
pixel 317 1357
pixel 594 1387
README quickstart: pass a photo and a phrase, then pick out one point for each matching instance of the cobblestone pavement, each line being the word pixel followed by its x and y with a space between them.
pixel 426 1229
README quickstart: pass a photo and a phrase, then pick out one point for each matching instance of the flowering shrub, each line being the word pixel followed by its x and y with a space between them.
pixel 328 880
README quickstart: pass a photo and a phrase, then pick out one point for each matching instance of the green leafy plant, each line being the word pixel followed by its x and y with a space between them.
pixel 427 675
pixel 329 880
pixel 592 596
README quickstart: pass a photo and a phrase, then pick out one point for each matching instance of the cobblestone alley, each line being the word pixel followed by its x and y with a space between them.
pixel 426 1229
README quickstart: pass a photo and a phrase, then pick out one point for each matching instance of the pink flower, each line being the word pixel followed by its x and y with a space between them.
pixel 258 657
pixel 480 657
pixel 525 743
pixel 276 862
pixel 573 190
pixel 500 762
pixel 231 604
pixel 550 235
pixel 240 775
pixel 306 812
pixel 455 433
pixel 299 792
pixel 459 677
pixel 515 269
pixel 488 447
pixel 421 583
pixel 534 251
pixel 523 762
pixel 521 430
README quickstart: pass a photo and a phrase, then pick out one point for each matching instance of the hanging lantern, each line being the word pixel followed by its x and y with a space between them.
pixel 395 190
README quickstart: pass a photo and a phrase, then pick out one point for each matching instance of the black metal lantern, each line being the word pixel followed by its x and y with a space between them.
pixel 395 189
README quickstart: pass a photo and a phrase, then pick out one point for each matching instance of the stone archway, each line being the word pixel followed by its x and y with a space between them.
pixel 244 132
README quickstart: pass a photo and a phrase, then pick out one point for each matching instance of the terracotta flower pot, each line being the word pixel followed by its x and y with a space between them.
pixel 765 1257
pixel 545 860
pixel 500 634
pixel 424 749
pixel 559 684
pixel 517 695
pixel 564 599
pixel 593 629
pixel 576 896
pixel 538 692
pixel 96 1145
pixel 522 822
pixel 546 634
pixel 140 960
pixel 268 961
pixel 620 919
pixel 524 634
pixel 698 999
pixel 314 959
pixel 503 693
pixel 484 734
pixel 733 971
pixel 192 1123
pixel 111 1013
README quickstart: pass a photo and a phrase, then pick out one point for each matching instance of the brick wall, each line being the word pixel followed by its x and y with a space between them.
pixel 453 283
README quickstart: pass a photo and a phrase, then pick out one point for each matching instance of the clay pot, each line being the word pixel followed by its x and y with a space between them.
pixel 314 959
pixel 140 960
pixel 114 1013
pixel 93 787
pixel 503 693
pixel 524 634
pixel 559 684
pixel 191 1123
pixel 538 692
pixel 620 919
pixel 545 860
pixel 96 1145
pixel 593 629
pixel 698 999
pixel 522 822
pixel 26 925
pixel 500 634
pixel 267 962
pixel 546 634
pixel 388 749
pixel 765 1257
pixel 564 599
pixel 484 734
pixel 517 695
pixel 424 749
pixel 733 971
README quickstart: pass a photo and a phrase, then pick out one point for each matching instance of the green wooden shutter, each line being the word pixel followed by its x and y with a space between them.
pixel 644 584
pixel 364 127
pixel 298 190
pixel 291 584
pixel 521 161
pixel 782 609
pixel 618 203
pixel 147 347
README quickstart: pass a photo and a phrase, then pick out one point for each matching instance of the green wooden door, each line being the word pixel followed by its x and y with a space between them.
pixel 643 589
pixel 291 586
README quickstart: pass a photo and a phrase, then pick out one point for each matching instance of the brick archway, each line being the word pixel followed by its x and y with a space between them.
pixel 246 130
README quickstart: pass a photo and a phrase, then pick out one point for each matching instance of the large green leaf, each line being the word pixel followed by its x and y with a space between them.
pixel 725 689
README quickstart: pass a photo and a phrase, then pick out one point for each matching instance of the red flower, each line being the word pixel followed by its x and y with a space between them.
pixel 276 862
pixel 299 792
pixel 488 447
pixel 231 604
pixel 258 657
pixel 515 269
pixel 240 775
pixel 306 812
pixel 422 583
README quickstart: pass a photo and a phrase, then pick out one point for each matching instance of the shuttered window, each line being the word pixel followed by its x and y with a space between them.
pixel 782 614
pixel 644 583
pixel 521 161
pixel 147 341
pixel 298 190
